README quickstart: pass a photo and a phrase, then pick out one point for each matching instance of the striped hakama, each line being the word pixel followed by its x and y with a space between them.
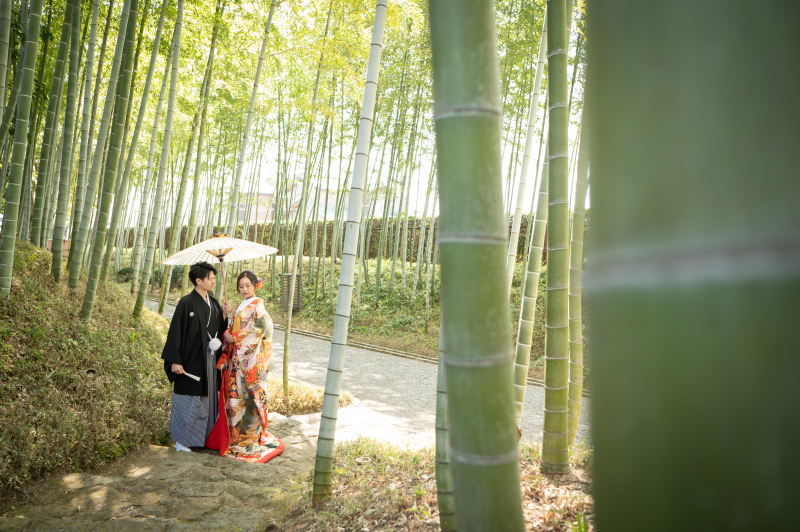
pixel 192 417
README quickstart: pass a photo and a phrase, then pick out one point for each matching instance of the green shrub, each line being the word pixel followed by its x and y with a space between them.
pixel 175 278
pixel 125 274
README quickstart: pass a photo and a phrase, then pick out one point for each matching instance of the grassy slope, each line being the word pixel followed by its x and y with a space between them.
pixel 56 413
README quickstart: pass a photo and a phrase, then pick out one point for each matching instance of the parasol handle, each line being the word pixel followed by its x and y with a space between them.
pixel 222 272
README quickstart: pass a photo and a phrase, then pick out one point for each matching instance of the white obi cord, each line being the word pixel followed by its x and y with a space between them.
pixel 214 343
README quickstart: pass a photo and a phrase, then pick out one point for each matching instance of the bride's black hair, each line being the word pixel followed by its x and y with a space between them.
pixel 250 275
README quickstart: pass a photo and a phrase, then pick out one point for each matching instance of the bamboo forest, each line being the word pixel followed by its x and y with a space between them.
pixel 446 265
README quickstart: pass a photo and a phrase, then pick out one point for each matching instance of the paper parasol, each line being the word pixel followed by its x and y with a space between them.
pixel 219 248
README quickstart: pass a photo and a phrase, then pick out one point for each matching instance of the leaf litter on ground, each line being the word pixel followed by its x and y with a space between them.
pixel 380 486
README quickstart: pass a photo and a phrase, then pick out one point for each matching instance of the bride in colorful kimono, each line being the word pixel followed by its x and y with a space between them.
pixel 241 428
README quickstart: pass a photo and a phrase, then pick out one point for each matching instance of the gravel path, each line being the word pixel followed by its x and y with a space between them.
pixel 396 396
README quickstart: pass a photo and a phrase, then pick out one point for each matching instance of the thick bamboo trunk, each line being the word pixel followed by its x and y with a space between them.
pixel 80 187
pixel 5 38
pixel 693 273
pixel 473 235
pixel 33 134
pixel 11 104
pixel 98 160
pixel 125 172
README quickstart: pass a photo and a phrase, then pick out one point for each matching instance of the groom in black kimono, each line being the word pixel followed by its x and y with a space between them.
pixel 190 355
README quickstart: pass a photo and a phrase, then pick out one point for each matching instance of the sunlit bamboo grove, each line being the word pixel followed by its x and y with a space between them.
pixel 132 129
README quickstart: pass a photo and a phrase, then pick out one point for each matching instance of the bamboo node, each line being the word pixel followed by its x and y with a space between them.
pixel 473 459
pixel 483 362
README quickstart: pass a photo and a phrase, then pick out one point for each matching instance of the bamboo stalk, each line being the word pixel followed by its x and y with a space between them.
pixel 530 293
pixel 11 209
pixel 59 227
pixel 555 439
pixel 121 87
pixel 323 467
pixel 576 284
pixel 144 214
pixel 45 159
pixel 165 149
pixel 98 160
pixel 526 154
pixel 473 236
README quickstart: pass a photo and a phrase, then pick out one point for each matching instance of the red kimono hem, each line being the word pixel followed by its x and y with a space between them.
pixel 219 437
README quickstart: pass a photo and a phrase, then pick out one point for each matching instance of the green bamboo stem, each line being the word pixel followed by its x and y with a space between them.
pixel 444 474
pixel 576 282
pixel 526 155
pixel 52 189
pixel 5 41
pixel 144 215
pixel 323 467
pixel 11 209
pixel 125 165
pixel 59 227
pixel 155 218
pixel 80 243
pixel 473 237
pixel 98 80
pixel 33 133
pixel 38 237
pixel 135 139
pixel 11 104
pixel 537 185
pixel 555 439
pixel 198 165
pixel 126 27
pixel 530 293
pixel 80 187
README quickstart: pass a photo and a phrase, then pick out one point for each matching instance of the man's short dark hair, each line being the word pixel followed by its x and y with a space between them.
pixel 200 270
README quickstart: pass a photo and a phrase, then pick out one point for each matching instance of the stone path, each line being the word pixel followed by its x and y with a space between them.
pixel 397 396
pixel 159 489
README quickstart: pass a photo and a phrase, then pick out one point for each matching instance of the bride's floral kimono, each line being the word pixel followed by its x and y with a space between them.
pixel 243 397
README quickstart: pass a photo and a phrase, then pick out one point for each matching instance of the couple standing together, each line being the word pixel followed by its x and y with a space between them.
pixel 219 370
